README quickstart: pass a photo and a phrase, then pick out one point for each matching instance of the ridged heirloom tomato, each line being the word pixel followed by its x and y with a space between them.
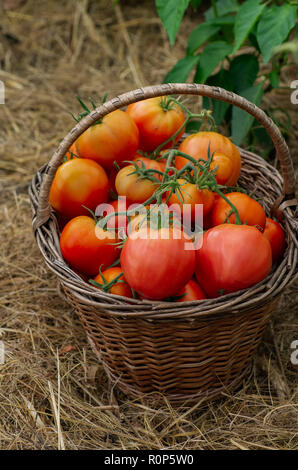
pixel 157 265
pixel 77 183
pixel 86 246
pixel 120 287
pixel 249 210
pixel 115 138
pixel 157 119
pixel 276 236
pixel 231 258
pixel 226 155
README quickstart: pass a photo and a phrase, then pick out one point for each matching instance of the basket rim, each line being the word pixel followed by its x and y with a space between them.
pixel 234 303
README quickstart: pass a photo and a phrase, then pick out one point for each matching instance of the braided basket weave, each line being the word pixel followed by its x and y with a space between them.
pixel 192 350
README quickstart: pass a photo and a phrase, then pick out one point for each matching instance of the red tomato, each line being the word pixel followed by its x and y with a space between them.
pixel 116 138
pixel 78 183
pixel 159 265
pixel 192 196
pixel 191 291
pixel 157 119
pixel 232 257
pixel 86 246
pixel 227 157
pixel 276 236
pixel 120 287
pixel 249 210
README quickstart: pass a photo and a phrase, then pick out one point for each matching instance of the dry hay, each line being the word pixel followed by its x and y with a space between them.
pixel 53 393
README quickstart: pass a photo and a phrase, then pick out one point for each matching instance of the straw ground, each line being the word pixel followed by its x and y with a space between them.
pixel 53 393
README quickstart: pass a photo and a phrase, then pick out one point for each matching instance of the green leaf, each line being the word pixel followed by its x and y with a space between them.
pixel 244 70
pixel 211 56
pixel 241 120
pixel 223 7
pixel 223 20
pixel 219 108
pixel 274 27
pixel 200 35
pixel 274 78
pixel 171 13
pixel 248 14
pixel 195 3
pixel 181 70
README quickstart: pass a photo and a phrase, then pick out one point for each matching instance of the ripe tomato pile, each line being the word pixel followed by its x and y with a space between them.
pixel 142 218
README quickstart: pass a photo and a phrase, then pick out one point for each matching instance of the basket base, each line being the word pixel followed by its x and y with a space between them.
pixel 157 398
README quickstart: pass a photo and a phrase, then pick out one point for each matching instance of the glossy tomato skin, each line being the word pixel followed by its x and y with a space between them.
pixel 232 257
pixel 155 124
pixel 157 267
pixel 196 145
pixel 78 182
pixel 86 247
pixel 192 196
pixel 276 236
pixel 116 138
pixel 191 291
pixel 129 184
pixel 249 210
pixel 119 288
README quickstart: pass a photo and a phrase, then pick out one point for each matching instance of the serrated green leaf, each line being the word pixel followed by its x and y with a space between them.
pixel 171 13
pixel 211 56
pixel 274 27
pixel 247 16
pixel 244 70
pixel 241 120
pixel 181 70
pixel 200 35
pixel 224 80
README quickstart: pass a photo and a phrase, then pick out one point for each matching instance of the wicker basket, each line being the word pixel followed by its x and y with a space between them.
pixel 186 351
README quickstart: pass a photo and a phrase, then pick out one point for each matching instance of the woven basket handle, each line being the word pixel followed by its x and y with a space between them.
pixel 44 209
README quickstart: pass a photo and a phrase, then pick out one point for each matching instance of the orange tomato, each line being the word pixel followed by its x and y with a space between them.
pixel 115 138
pixel 192 196
pixel 129 184
pixel 86 246
pixel 249 210
pixel 227 157
pixel 157 119
pixel 120 287
pixel 78 182
pixel 191 291
pixel 72 152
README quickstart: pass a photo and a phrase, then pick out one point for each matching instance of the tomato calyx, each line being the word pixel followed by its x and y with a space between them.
pixel 86 111
pixel 143 172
